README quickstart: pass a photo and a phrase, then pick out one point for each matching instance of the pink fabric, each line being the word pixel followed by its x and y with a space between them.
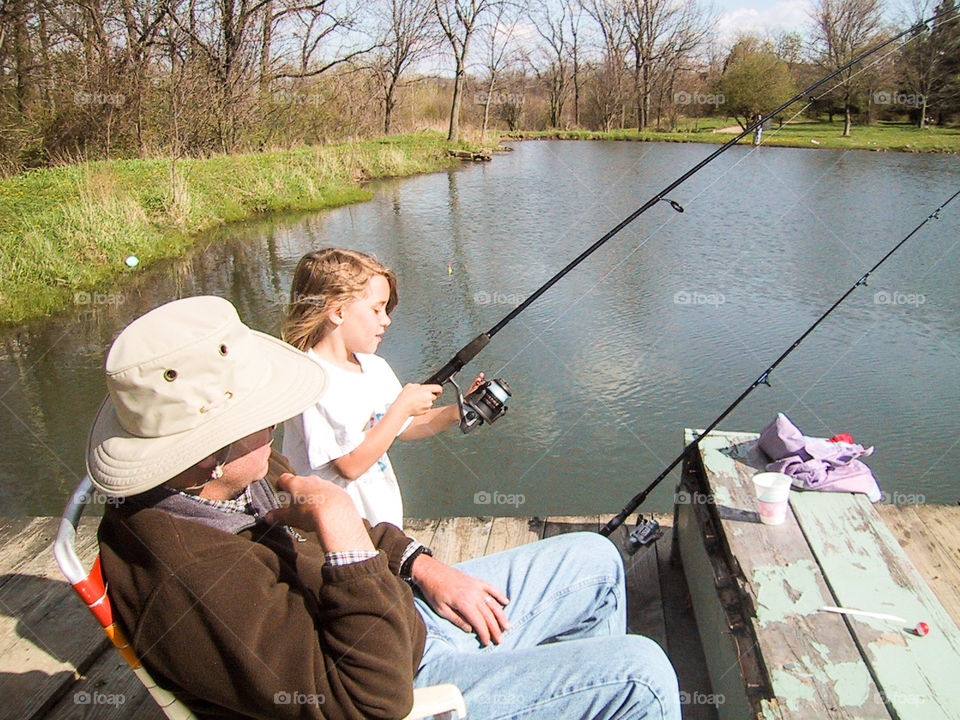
pixel 816 464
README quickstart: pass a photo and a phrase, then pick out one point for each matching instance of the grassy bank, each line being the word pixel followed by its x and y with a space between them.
pixel 891 136
pixel 68 230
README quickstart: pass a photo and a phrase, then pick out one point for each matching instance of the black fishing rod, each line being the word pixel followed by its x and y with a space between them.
pixel 763 379
pixel 488 403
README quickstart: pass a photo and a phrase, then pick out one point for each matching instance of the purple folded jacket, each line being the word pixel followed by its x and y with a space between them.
pixel 816 464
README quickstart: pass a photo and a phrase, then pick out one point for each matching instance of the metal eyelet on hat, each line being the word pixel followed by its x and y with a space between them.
pixel 223 349
pixel 169 375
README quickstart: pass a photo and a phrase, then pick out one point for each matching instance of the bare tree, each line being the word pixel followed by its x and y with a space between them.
pixel 498 40
pixel 841 30
pixel 405 38
pixel 574 13
pixel 458 18
pixel 609 95
pixel 663 35
pixel 551 60
pixel 930 58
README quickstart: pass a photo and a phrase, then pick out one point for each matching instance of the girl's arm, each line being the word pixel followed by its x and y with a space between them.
pixel 436 420
pixel 414 400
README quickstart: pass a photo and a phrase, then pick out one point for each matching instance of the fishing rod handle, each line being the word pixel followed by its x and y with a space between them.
pixel 467 353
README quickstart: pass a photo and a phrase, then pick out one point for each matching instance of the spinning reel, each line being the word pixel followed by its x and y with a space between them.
pixel 488 403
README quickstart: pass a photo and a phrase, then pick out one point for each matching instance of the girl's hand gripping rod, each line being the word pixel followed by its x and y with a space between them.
pixel 488 403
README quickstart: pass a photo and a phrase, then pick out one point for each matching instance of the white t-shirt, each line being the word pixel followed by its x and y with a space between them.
pixel 352 404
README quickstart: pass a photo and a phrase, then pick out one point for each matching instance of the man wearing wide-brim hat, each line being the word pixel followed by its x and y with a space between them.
pixel 252 599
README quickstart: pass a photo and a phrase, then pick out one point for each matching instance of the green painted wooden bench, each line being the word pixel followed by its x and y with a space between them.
pixel 758 591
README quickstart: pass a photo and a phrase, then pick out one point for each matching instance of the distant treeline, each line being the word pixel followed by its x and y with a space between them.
pixel 89 79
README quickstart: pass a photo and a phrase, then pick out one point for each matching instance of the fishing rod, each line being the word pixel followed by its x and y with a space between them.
pixel 488 402
pixel 648 531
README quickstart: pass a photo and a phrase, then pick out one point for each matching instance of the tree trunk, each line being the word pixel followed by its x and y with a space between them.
pixel 267 38
pixel 576 91
pixel 388 103
pixel 486 105
pixel 454 133
pixel 22 56
pixel 922 123
pixel 846 120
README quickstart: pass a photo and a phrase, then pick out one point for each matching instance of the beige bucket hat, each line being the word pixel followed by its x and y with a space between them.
pixel 185 380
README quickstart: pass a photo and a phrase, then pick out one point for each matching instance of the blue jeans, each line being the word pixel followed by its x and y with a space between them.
pixel 567 655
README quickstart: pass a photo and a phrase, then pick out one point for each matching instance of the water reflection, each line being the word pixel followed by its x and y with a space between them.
pixel 611 364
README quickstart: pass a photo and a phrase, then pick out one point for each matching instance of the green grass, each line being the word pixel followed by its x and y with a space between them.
pixel 67 230
pixel 894 136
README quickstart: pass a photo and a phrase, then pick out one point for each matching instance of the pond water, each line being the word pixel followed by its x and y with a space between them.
pixel 659 330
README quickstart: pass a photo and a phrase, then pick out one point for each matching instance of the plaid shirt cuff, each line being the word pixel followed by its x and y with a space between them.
pixel 349 557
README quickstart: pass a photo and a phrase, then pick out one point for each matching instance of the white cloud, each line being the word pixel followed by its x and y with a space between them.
pixel 770 19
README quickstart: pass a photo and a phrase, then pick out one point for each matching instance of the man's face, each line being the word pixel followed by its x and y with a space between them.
pixel 248 460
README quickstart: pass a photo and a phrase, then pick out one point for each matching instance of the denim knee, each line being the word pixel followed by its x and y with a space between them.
pixel 650 670
pixel 596 552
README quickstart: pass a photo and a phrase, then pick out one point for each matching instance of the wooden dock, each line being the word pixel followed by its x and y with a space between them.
pixel 55 662
pixel 759 592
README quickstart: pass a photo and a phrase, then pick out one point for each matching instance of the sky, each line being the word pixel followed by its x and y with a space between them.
pixel 755 16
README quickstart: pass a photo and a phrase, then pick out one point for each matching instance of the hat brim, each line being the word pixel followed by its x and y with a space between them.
pixel 122 464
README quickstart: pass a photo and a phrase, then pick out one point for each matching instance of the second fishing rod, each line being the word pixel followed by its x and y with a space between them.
pixel 488 403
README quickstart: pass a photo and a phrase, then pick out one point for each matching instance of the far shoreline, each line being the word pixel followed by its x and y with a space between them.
pixel 883 137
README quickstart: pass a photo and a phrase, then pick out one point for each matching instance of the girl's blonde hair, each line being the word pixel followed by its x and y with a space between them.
pixel 323 281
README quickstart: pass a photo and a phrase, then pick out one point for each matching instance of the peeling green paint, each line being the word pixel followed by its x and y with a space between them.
pixel 851 681
pixel 791 689
pixel 786 590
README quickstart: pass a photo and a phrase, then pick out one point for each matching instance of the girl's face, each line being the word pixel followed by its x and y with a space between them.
pixel 364 320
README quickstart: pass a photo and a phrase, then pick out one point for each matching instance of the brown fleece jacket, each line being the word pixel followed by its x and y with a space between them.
pixel 256 624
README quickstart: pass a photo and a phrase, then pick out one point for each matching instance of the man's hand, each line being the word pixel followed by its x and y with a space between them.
pixel 322 507
pixel 471 604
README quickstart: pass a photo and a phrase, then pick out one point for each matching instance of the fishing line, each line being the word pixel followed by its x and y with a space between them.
pixel 470 350
pixel 763 379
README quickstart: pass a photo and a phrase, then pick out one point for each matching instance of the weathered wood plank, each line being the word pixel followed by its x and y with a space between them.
pixel 421 529
pixel 683 643
pixel 461 538
pixel 46 634
pixel 511 532
pixel 722 653
pixel 868 570
pixel 559 524
pixel 930 535
pixel 108 690
pixel 814 667
pixel 644 602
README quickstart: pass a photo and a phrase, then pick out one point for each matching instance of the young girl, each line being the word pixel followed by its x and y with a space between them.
pixel 340 305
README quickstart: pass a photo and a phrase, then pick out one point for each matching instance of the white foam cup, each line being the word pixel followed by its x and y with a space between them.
pixel 773 492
